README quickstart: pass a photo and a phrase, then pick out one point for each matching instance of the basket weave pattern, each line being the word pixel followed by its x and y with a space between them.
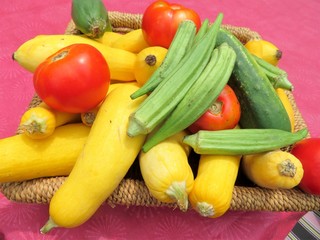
pixel 133 192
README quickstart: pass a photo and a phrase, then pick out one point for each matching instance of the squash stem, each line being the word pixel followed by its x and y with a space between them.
pixel 177 191
pixel 50 224
pixel 34 125
pixel 205 209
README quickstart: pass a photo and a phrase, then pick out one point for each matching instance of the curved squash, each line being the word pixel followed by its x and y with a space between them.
pixel 105 159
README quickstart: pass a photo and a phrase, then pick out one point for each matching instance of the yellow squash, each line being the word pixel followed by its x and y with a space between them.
pixel 265 50
pixel 109 38
pixel 287 105
pixel 132 41
pixel 34 51
pixel 275 170
pixel 103 163
pixel 22 158
pixel 213 186
pixel 88 117
pixel 166 171
pixel 148 60
pixel 40 122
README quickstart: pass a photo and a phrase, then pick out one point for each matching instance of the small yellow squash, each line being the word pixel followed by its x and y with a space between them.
pixel 274 170
pixel 40 122
pixel 147 61
pixel 105 159
pixel 265 50
pixel 166 171
pixel 213 186
pixel 22 158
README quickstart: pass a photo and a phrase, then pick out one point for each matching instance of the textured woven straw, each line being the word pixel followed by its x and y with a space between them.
pixel 132 190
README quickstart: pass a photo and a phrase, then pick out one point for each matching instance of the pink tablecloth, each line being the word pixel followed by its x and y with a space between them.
pixel 292 25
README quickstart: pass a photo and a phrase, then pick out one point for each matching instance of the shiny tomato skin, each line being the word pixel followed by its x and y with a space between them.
pixel 308 152
pixel 161 19
pixel 75 79
pixel 223 114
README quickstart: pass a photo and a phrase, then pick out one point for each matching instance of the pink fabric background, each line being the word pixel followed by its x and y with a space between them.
pixel 292 25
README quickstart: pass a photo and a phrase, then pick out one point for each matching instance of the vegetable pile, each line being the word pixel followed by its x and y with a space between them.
pixel 155 95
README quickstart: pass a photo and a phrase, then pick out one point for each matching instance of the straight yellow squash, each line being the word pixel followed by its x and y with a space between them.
pixel 23 158
pixel 166 171
pixel 213 186
pixel 105 159
pixel 34 51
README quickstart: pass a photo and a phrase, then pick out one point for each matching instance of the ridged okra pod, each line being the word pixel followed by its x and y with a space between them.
pixel 180 44
pixel 277 76
pixel 161 102
pixel 202 31
pixel 242 141
pixel 200 96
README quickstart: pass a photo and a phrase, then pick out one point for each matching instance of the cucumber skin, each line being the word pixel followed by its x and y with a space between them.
pixel 90 17
pixel 260 105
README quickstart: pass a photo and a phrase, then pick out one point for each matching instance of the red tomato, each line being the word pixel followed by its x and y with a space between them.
pixel 161 19
pixel 308 152
pixel 75 79
pixel 223 114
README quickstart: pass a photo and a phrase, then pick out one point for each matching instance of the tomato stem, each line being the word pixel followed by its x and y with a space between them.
pixel 60 56
pixel 216 107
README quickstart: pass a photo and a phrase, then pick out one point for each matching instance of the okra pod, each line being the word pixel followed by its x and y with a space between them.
pixel 242 141
pixel 200 96
pixel 277 76
pixel 202 31
pixel 180 44
pixel 161 102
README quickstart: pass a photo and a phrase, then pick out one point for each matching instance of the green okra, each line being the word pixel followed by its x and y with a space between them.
pixel 202 31
pixel 161 102
pixel 277 76
pixel 183 38
pixel 200 96
pixel 242 141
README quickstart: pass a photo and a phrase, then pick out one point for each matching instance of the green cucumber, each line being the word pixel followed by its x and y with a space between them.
pixel 260 105
pixel 90 17
pixel 242 141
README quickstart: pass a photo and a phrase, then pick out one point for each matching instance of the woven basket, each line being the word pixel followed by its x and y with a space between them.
pixel 133 192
